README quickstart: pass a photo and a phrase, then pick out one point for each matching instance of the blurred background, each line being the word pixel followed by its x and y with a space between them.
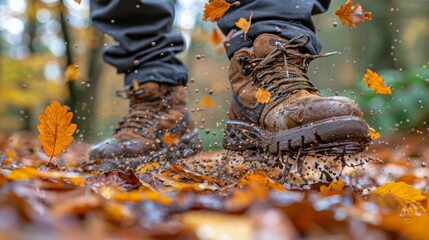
pixel 40 38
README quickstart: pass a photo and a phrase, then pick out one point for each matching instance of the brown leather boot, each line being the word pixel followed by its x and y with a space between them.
pixel 155 109
pixel 297 119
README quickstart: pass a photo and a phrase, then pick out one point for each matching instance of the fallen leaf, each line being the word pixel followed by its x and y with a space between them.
pixel 374 133
pixel 333 186
pixel 376 82
pixel 23 173
pixel 262 180
pixel 215 9
pixel 262 96
pixel 216 38
pixel 115 193
pixel 71 73
pixel 208 102
pixel 244 25
pixel 171 139
pixel 409 198
pixel 352 14
pixel 56 129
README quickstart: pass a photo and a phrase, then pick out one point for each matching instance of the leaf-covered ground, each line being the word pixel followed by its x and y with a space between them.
pixel 381 194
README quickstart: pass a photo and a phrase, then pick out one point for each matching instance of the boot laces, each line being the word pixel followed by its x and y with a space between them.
pixel 143 114
pixel 267 72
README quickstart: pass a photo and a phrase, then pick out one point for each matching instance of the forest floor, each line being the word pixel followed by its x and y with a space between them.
pixel 381 194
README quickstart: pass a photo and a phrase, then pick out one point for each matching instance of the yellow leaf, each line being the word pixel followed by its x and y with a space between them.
pixel 171 139
pixel 215 9
pixel 23 173
pixel 262 96
pixel 374 133
pixel 333 186
pixel 216 38
pixel 56 129
pixel 244 25
pixel 409 198
pixel 352 14
pixel 208 102
pixel 71 73
pixel 376 82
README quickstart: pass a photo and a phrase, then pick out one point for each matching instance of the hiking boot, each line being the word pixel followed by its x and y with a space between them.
pixel 297 119
pixel 157 121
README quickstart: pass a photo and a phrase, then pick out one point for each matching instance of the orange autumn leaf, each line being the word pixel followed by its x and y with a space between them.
pixel 262 96
pixel 208 102
pixel 352 14
pixel 374 133
pixel 56 129
pixel 171 139
pixel 71 73
pixel 244 25
pixel 216 37
pixel 376 82
pixel 136 85
pixel 262 180
pixel 333 186
pixel 78 1
pixel 215 9
pixel 410 199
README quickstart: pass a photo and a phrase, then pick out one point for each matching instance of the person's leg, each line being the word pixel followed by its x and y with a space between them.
pixel 147 42
pixel 154 81
pixel 272 60
pixel 286 18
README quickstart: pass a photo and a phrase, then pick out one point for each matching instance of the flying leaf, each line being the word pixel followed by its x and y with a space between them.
pixel 244 25
pixel 78 1
pixel 333 186
pixel 208 102
pixel 56 129
pixel 262 96
pixel 352 14
pixel 215 9
pixel 409 198
pixel 216 37
pixel 374 133
pixel 376 82
pixel 72 72
pixel 171 139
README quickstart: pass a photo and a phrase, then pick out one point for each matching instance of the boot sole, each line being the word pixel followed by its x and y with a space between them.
pixel 188 146
pixel 334 136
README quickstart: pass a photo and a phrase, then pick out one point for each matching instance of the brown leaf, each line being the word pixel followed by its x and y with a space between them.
pixel 352 14
pixel 171 139
pixel 71 73
pixel 262 96
pixel 115 193
pixel 78 1
pixel 215 9
pixel 216 37
pixel 262 180
pixel 56 129
pixel 244 25
pixel 376 83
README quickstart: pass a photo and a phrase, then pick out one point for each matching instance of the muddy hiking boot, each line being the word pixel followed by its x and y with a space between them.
pixel 154 110
pixel 297 119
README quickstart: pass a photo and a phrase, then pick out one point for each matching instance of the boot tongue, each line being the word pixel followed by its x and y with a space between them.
pixel 264 44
